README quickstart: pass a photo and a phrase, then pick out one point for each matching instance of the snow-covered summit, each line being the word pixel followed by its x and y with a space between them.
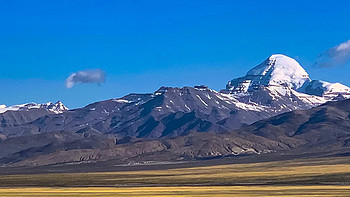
pixel 57 107
pixel 276 70
pixel 281 73
pixel 326 89
pixel 279 69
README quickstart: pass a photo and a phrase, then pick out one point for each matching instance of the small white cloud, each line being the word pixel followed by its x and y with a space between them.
pixel 86 76
pixel 338 55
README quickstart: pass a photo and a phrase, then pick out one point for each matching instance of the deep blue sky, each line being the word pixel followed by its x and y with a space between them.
pixel 143 45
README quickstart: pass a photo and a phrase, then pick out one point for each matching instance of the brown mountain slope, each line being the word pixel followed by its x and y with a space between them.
pixel 321 129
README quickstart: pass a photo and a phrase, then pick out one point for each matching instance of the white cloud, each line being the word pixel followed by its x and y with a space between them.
pixel 86 76
pixel 338 55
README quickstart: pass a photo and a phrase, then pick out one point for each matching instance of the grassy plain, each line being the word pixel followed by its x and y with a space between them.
pixel 316 177
pixel 183 191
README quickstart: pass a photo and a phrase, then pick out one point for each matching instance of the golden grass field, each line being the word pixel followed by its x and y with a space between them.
pixel 183 191
pixel 316 177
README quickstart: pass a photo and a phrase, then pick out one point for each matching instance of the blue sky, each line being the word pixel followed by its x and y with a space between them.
pixel 143 45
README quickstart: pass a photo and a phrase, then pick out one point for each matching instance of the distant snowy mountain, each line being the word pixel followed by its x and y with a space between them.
pixel 277 70
pixel 280 73
pixel 57 107
pixel 276 86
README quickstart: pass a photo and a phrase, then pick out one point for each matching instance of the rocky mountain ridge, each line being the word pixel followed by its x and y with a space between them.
pixel 168 118
pixel 57 107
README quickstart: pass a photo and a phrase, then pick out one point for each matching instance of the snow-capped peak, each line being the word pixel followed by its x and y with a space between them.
pixel 57 107
pixel 277 70
pixel 280 70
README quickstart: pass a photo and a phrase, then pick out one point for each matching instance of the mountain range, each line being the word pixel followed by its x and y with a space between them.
pixel 274 107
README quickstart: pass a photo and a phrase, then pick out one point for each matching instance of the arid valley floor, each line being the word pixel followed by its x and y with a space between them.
pixel 329 176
